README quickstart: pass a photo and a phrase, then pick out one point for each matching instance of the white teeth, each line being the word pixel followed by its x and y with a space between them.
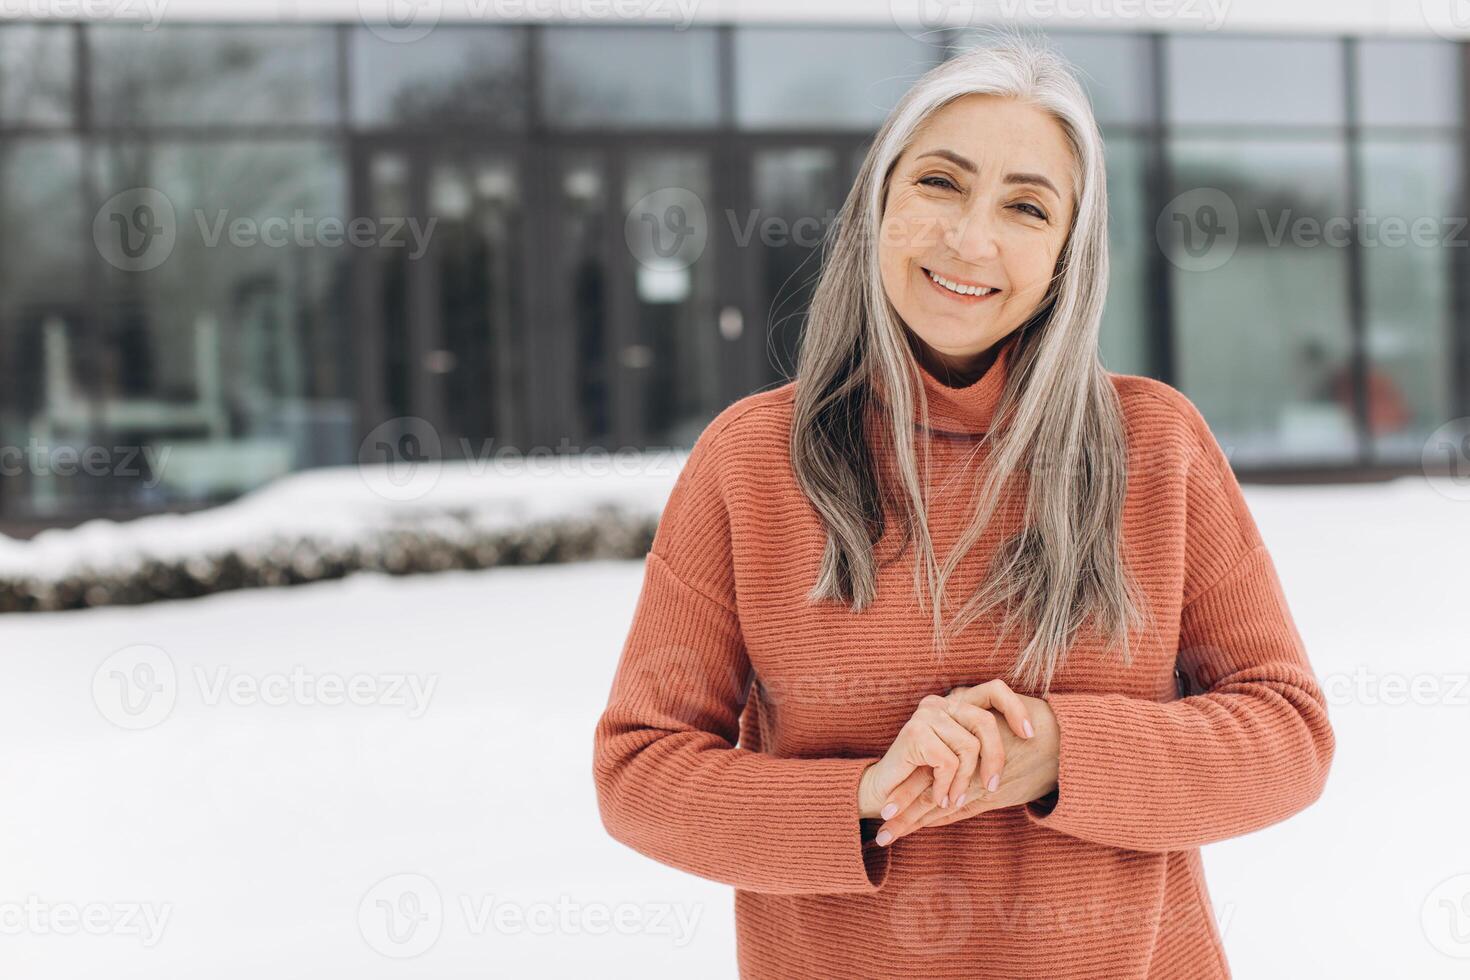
pixel 955 287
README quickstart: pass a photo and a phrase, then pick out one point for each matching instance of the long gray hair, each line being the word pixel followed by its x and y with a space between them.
pixel 1058 421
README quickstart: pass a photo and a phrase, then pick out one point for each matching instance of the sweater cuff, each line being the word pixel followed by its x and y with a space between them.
pixel 874 859
pixel 816 843
pixel 1081 768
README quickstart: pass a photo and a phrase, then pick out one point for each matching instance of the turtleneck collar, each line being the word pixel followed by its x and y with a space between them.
pixel 969 409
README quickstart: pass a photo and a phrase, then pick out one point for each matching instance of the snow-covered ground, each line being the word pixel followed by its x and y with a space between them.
pixel 319 766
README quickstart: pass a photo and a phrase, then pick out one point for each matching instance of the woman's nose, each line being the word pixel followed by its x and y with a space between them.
pixel 973 237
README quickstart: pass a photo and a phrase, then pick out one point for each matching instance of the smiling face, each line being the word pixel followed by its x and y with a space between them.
pixel 981 198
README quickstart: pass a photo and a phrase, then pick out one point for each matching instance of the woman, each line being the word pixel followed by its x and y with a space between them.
pixel 1020 789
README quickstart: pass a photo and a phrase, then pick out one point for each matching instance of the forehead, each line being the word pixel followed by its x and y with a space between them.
pixel 1000 132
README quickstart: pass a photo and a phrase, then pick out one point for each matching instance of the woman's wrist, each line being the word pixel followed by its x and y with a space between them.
pixel 868 808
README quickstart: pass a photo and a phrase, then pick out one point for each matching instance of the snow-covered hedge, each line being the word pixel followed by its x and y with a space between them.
pixel 325 524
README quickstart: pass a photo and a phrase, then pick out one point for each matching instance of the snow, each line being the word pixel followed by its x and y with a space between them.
pixel 433 740
pixel 344 505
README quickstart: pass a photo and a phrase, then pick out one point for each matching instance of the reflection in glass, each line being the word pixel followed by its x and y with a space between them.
pixel 473 249
pixel 230 353
pixel 1254 80
pixel 674 356
pixel 796 201
pixel 43 254
pixel 36 71
pixel 581 183
pixel 630 76
pixel 1124 338
pixel 1408 82
pixel 1409 190
pixel 1116 69
pixel 213 75
pixel 389 197
pixel 1260 336
pixel 452 76
pixel 828 78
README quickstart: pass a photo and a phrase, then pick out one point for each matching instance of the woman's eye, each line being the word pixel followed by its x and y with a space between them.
pixel 1034 210
pixel 929 181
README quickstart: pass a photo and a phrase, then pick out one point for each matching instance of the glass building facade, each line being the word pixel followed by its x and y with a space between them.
pixel 229 252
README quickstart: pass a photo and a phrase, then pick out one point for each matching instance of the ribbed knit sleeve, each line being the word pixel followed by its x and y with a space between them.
pixel 671 783
pixel 1251 748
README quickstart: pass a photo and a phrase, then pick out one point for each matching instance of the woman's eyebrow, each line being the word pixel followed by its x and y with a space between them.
pixel 967 165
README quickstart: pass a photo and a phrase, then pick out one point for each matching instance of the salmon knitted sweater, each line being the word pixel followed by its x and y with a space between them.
pixel 742 716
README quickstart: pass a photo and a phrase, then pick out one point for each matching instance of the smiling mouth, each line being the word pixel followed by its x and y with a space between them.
pixel 957 289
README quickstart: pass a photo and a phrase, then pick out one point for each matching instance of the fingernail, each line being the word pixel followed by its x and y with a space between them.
pixel 883 837
pixel 994 782
pixel 961 801
pixel 944 801
pixel 889 811
pixel 1026 726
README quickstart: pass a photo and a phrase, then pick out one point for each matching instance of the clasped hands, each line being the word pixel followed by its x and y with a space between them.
pixel 954 759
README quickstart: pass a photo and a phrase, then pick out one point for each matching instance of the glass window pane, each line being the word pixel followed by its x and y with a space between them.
pixel 1408 83
pixel 36 71
pixel 823 77
pixel 475 252
pixel 675 357
pixel 631 76
pixel 1254 80
pixel 451 76
pixel 797 195
pixel 1124 338
pixel 43 227
pixel 208 75
pixel 223 335
pixel 1116 69
pixel 1260 294
pixel 1408 188
pixel 44 246
pixel 581 312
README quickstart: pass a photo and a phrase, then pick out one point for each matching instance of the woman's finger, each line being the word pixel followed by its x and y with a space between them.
pixel 966 746
pixel 998 695
pixel 935 752
pixel 907 792
pixel 909 818
pixel 982 723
